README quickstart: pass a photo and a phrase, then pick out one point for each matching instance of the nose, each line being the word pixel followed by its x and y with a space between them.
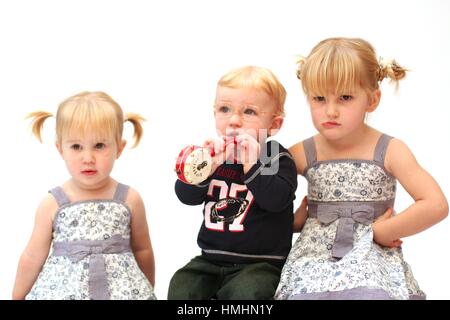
pixel 332 111
pixel 235 121
pixel 88 156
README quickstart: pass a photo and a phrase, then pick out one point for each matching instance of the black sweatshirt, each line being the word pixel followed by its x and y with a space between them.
pixel 247 217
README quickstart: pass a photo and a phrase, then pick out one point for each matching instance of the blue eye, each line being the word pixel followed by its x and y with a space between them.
pixel 250 111
pixel 224 109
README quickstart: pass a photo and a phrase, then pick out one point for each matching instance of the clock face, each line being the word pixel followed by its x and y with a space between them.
pixel 194 164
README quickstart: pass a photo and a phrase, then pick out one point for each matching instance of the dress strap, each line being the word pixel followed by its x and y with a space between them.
pixel 310 151
pixel 380 149
pixel 121 192
pixel 60 196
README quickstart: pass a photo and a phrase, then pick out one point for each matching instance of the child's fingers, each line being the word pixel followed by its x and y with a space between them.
pixel 304 202
pixel 386 215
pixel 245 137
pixel 217 145
pixel 244 144
pixel 208 143
pixel 396 243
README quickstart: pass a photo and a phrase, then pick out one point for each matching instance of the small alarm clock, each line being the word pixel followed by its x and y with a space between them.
pixel 194 164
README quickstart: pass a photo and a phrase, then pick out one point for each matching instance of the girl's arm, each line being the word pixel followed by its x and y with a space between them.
pixel 430 204
pixel 298 153
pixel 37 249
pixel 301 214
pixel 140 239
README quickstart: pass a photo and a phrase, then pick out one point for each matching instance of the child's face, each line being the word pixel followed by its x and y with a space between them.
pixel 339 116
pixel 245 110
pixel 89 159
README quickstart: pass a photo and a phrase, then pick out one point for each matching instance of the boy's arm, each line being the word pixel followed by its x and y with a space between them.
pixel 37 249
pixel 140 239
pixel 273 184
pixel 191 194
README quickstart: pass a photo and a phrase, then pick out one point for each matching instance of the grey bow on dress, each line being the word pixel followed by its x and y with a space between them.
pixel 80 249
pixel 343 242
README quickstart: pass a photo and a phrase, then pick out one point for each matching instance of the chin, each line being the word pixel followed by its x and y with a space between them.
pixel 332 136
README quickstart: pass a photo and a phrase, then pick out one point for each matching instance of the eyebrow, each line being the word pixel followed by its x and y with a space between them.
pixel 243 105
pixel 223 101
pixel 80 141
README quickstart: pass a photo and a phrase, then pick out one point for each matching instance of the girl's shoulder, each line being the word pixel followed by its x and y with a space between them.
pixel 133 195
pixel 133 199
pixel 298 153
pixel 397 153
pixel 48 206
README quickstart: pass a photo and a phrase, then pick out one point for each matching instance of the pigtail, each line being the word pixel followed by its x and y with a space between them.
pixel 136 121
pixel 37 122
pixel 389 68
pixel 300 62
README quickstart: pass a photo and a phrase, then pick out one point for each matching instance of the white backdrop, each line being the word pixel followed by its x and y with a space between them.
pixel 163 58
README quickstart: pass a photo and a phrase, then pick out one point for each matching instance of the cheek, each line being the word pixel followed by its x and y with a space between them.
pixel 221 125
pixel 107 160
pixel 72 165
pixel 315 114
pixel 71 160
pixel 357 116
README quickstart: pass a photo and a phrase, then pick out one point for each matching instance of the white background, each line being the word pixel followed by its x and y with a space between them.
pixel 163 58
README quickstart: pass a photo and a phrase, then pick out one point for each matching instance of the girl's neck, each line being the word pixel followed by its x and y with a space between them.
pixel 78 192
pixel 358 145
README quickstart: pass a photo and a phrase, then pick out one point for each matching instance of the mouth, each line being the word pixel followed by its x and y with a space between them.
pixel 330 124
pixel 89 172
pixel 232 134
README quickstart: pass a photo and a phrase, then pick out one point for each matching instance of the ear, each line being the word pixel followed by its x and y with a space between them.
pixel 59 148
pixel 277 122
pixel 120 148
pixel 374 100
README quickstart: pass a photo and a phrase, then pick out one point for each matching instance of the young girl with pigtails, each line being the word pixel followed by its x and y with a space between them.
pixel 350 246
pixel 96 226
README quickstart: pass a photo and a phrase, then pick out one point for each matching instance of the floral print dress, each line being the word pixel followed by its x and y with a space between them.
pixel 335 256
pixel 91 257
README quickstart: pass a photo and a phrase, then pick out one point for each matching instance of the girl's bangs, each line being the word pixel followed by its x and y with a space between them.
pixel 83 120
pixel 338 74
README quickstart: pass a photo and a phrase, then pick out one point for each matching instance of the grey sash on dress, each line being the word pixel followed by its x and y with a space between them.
pixel 78 250
pixel 347 216
pixel 347 212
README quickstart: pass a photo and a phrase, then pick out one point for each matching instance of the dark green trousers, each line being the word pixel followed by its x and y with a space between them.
pixel 203 279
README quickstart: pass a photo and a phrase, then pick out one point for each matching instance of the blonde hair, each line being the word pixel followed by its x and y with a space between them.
pixel 88 112
pixel 341 64
pixel 256 78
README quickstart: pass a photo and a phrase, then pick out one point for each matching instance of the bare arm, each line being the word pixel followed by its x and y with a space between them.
pixel 430 205
pixel 298 153
pixel 300 215
pixel 37 249
pixel 140 239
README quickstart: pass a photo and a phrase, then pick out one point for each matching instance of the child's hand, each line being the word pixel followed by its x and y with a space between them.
pixel 248 151
pixel 300 215
pixel 379 236
pixel 218 148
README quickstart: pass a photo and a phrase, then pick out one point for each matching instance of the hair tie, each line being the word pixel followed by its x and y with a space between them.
pixel 385 67
pixel 300 62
